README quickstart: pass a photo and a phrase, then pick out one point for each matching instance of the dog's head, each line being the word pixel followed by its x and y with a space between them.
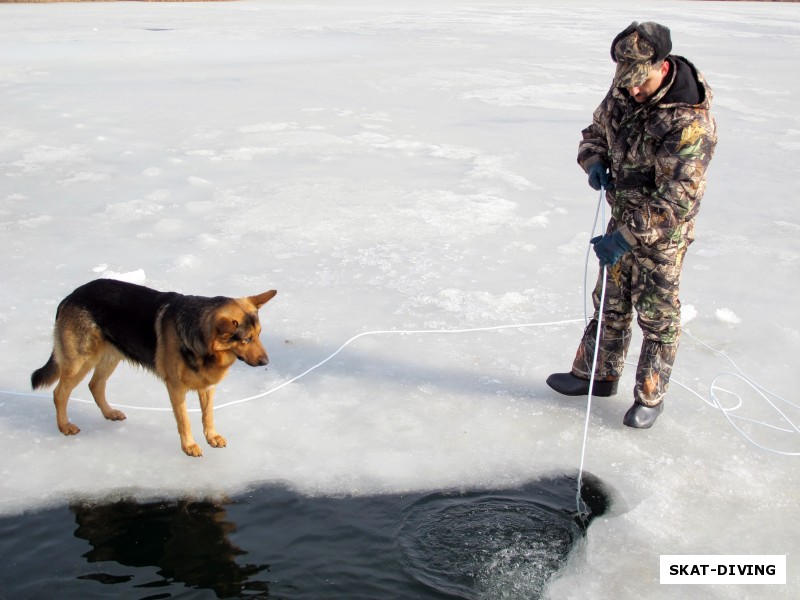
pixel 237 329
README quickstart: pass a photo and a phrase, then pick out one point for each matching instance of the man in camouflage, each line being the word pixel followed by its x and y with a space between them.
pixel 648 147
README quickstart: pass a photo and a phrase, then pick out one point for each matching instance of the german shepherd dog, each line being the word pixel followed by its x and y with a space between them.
pixel 189 342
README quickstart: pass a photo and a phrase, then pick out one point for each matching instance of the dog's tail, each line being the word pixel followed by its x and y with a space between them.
pixel 47 375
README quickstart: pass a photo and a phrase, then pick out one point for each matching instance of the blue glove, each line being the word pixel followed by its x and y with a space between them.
pixel 599 177
pixel 609 248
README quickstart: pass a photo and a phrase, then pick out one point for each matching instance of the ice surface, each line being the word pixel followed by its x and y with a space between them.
pixel 397 166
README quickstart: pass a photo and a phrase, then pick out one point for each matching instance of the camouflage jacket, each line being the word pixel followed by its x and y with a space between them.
pixel 657 153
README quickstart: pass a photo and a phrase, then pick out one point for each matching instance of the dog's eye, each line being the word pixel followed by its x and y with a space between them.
pixel 248 340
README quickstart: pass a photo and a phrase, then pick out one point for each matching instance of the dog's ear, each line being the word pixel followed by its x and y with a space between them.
pixel 262 299
pixel 225 327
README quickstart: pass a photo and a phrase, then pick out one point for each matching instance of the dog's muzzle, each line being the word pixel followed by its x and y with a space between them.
pixel 259 361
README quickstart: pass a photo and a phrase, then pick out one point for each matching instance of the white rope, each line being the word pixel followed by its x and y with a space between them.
pixel 599 211
pixel 392 332
pixel 600 208
pixel 727 412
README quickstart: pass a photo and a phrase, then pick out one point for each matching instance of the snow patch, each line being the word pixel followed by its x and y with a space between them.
pixel 726 315
pixel 688 313
pixel 137 276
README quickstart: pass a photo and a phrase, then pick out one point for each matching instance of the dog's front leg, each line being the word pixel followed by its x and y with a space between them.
pixel 207 406
pixel 177 396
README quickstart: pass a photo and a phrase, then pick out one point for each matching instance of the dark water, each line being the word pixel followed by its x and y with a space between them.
pixel 273 543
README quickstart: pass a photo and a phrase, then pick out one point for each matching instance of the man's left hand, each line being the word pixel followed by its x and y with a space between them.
pixel 610 248
pixel 599 177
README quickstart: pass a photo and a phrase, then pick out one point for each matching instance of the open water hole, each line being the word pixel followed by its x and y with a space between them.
pixel 274 543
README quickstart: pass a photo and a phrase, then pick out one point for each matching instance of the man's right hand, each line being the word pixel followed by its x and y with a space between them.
pixel 599 176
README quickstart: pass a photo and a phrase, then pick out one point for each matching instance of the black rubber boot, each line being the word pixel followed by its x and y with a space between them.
pixel 640 416
pixel 571 385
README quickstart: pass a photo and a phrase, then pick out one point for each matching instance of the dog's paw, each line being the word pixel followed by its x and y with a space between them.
pixel 115 415
pixel 69 429
pixel 192 450
pixel 216 441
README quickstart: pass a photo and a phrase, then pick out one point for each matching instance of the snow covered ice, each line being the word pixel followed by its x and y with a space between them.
pixel 398 166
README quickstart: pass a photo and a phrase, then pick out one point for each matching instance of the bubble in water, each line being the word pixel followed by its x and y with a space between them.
pixel 487 546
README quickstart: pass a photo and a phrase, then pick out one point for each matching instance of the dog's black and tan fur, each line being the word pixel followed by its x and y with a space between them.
pixel 187 341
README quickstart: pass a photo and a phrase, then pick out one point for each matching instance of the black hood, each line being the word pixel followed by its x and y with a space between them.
pixel 685 87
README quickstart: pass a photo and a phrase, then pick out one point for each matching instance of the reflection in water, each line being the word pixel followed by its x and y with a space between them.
pixel 186 541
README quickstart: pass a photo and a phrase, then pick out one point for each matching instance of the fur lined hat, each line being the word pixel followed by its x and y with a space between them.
pixel 636 49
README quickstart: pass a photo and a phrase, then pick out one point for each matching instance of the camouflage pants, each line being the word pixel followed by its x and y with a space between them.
pixel 647 280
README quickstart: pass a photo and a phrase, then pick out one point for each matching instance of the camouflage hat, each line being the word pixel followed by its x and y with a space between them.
pixel 636 49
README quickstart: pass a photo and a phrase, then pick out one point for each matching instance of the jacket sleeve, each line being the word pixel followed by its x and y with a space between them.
pixel 593 146
pixel 680 177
